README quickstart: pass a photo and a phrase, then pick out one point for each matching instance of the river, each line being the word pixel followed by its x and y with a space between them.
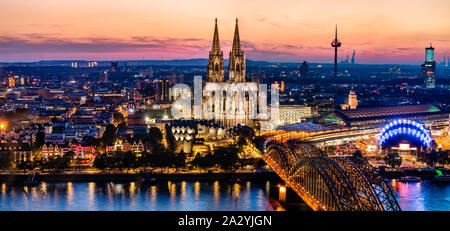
pixel 184 196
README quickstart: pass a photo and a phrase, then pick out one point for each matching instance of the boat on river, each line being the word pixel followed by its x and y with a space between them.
pixel 410 179
pixel 442 178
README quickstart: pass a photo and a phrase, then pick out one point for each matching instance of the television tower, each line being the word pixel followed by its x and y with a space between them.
pixel 335 43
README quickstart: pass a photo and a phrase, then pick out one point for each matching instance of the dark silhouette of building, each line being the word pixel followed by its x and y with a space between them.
pixel 114 66
pixel 335 43
pixel 304 69
pixel 103 78
pixel 353 57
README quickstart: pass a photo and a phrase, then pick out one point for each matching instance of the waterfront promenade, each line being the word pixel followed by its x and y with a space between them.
pixel 82 176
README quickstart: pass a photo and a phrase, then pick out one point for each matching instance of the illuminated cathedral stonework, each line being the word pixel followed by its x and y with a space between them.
pixel 235 102
pixel 236 68
pixel 215 71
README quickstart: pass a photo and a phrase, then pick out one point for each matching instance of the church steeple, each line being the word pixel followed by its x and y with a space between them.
pixel 236 68
pixel 215 72
pixel 236 41
pixel 216 44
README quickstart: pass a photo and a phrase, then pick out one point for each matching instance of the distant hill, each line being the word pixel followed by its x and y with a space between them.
pixel 174 62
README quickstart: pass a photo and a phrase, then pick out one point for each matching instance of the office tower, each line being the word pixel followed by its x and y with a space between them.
pixel 236 68
pixel 103 78
pixel 162 90
pixel 215 72
pixel 304 69
pixel 428 68
pixel 335 43
pixel 353 57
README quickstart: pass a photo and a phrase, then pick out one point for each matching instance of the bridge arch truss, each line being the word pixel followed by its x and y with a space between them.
pixel 330 183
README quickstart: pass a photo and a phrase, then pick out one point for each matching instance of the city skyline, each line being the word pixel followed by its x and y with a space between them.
pixel 289 32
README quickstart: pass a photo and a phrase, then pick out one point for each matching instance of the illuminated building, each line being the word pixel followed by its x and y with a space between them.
pixel 236 78
pixel 428 68
pixel 162 90
pixel 380 115
pixel 215 71
pixel 398 131
pixel 103 78
pixel 21 151
pixel 345 126
pixel 290 114
pixel 12 82
pixel 236 68
pixel 352 101
pixel 186 131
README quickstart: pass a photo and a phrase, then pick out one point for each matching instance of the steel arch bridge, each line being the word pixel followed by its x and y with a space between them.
pixel 329 183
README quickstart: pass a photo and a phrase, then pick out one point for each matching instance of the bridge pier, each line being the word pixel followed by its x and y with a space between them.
pixel 287 198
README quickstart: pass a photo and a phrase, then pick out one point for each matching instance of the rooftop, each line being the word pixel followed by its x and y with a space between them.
pixel 306 127
pixel 388 111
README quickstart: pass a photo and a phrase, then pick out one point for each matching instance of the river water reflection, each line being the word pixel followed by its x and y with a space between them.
pixel 185 196
pixel 422 196
pixel 164 196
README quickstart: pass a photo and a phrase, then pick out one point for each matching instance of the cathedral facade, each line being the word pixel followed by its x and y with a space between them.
pixel 229 101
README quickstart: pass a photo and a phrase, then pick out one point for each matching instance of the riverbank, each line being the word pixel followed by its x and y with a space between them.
pixel 424 174
pixel 140 177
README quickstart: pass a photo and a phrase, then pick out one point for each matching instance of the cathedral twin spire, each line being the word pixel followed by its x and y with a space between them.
pixel 236 69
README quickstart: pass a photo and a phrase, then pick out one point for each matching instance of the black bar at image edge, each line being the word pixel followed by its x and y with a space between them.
pixel 239 220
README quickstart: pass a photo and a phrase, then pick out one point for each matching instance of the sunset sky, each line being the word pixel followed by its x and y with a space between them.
pixel 381 31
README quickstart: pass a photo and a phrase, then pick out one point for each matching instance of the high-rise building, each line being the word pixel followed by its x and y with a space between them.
pixel 429 54
pixel 215 72
pixel 428 68
pixel 12 81
pixel 236 67
pixel 304 69
pixel 162 90
pixel 335 43
pixel 103 78
pixel 353 57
